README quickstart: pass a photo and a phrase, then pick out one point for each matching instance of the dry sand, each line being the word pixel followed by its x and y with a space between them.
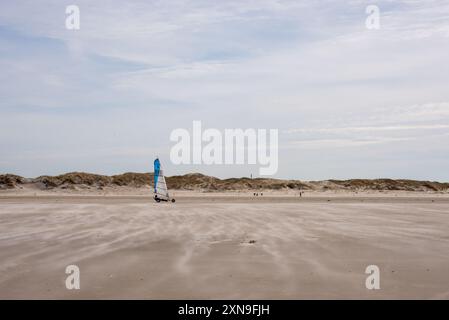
pixel 225 246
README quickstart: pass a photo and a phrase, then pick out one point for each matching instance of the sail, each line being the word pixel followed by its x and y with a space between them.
pixel 160 187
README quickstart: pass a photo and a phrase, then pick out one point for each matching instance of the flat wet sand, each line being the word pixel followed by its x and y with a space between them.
pixel 217 247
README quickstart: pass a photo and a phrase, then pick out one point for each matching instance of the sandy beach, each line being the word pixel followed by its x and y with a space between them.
pixel 222 246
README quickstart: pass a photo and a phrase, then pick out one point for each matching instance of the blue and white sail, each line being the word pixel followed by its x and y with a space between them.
pixel 160 187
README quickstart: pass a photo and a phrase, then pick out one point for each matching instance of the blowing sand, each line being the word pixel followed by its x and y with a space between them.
pixel 224 246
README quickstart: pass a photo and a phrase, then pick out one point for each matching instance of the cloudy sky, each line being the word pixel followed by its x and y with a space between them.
pixel 349 102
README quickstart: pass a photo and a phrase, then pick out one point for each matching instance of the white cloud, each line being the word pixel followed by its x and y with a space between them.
pixel 370 129
pixel 341 143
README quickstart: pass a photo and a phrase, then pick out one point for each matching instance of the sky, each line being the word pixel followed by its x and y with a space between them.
pixel 348 101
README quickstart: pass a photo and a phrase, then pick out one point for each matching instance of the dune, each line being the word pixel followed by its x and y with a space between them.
pixel 200 182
